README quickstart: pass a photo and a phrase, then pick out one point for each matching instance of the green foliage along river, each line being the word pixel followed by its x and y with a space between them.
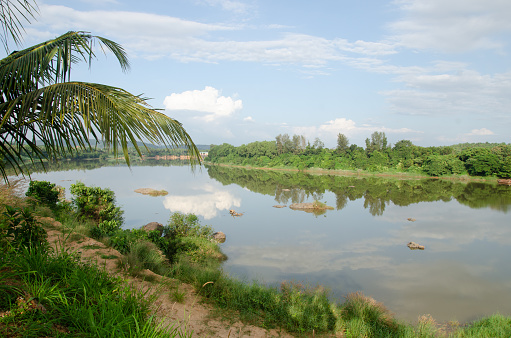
pixel 361 245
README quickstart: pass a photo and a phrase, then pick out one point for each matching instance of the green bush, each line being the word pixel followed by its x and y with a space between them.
pixel 122 241
pixel 438 165
pixel 105 228
pixel 19 228
pixel 96 203
pixel 44 192
pixel 181 225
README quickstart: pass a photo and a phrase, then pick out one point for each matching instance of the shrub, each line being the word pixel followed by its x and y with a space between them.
pixel 44 192
pixel 96 203
pixel 19 228
pixel 438 165
pixel 105 228
pixel 181 225
pixel 121 241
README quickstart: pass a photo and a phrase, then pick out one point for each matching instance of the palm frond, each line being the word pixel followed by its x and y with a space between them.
pixel 51 61
pixel 65 115
pixel 12 15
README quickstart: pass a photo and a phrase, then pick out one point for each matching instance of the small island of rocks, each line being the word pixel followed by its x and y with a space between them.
pixel 151 192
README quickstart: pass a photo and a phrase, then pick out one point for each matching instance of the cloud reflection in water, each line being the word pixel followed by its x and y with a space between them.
pixel 207 204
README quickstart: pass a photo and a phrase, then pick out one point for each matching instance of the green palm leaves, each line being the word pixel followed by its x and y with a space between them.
pixel 12 13
pixel 38 102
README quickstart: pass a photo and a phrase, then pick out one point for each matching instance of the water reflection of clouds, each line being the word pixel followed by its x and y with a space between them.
pixel 447 290
pixel 450 226
pixel 206 204
pixel 304 259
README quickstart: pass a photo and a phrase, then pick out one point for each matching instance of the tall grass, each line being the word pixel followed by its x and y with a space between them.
pixel 493 326
pixel 145 255
pixel 58 294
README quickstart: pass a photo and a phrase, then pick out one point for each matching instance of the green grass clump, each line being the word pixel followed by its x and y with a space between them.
pixel 59 296
pixel 145 255
pixel 493 326
pixel 362 316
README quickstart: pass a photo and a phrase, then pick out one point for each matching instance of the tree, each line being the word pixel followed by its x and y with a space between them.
pixel 298 143
pixel 378 142
pixel 39 103
pixel 342 143
pixel 318 144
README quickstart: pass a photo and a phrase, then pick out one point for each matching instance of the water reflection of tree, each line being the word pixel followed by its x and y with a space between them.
pixel 298 187
pixel 376 205
pixel 295 195
pixel 341 201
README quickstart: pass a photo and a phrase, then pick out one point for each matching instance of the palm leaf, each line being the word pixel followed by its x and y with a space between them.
pixel 39 100
pixel 12 13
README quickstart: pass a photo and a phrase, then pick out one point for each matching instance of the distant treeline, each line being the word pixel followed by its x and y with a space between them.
pixel 101 153
pixel 476 159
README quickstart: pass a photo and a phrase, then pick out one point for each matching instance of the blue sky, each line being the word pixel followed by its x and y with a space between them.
pixel 436 72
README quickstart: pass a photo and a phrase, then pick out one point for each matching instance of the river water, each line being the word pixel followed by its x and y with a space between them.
pixel 464 272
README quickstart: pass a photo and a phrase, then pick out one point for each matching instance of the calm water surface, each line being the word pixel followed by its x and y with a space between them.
pixel 463 274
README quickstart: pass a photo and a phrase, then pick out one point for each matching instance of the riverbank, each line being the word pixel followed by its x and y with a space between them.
pixel 363 173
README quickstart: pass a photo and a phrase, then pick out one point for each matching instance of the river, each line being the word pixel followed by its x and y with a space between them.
pixel 463 274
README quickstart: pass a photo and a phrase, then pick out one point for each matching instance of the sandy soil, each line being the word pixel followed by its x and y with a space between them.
pixel 192 315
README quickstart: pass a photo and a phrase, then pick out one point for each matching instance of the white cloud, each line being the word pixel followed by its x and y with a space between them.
pixel 454 25
pixel 455 91
pixel 328 131
pixel 249 119
pixel 480 132
pixel 151 36
pixel 207 100
pixel 338 125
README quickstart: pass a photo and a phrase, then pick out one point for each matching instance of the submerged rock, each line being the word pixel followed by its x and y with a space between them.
pixel 306 206
pixel 151 192
pixel 279 206
pixel 219 237
pixel 316 208
pixel 415 246
pixel 411 219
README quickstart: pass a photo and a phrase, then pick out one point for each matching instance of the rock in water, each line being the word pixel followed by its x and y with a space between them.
pixel 234 213
pixel 219 237
pixel 415 246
